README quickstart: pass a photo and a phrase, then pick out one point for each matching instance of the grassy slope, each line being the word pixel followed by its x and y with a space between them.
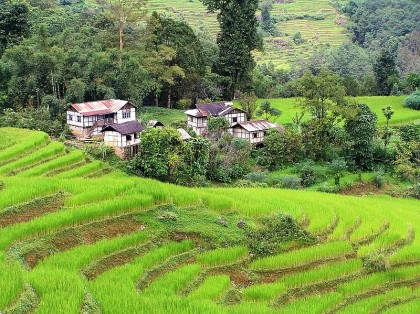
pixel 314 32
pixel 289 108
pixel 402 114
pixel 59 284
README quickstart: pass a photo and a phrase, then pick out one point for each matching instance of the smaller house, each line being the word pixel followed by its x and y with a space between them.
pixel 197 118
pixel 253 131
pixel 123 137
pixel 156 124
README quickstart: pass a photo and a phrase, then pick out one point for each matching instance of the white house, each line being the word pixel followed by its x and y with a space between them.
pixel 197 118
pixel 253 131
pixel 89 118
pixel 123 137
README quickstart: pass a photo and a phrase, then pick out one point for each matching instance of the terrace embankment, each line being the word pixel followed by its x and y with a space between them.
pixel 32 209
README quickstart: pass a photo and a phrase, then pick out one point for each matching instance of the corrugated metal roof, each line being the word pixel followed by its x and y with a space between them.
pixel 184 134
pixel 256 125
pixel 125 128
pixel 99 107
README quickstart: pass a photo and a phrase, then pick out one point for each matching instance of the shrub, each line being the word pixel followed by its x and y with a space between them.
pixel 410 132
pixel 256 176
pixel 183 103
pixel 413 101
pixel 376 262
pixel 378 180
pixel 307 176
pixel 250 184
pixel 267 239
pixel 289 182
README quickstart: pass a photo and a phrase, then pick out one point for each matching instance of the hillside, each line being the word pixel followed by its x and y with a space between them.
pixel 318 22
pixel 76 237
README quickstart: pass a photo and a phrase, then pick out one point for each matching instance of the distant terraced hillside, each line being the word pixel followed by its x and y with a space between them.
pixel 317 21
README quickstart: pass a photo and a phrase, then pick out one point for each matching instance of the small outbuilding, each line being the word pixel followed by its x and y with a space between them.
pixel 156 124
pixel 252 131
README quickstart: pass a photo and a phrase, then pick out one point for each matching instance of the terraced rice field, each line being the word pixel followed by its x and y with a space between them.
pixel 75 238
pixel 296 16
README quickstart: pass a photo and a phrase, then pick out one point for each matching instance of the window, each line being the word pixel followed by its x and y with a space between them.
pixel 255 135
pixel 126 113
pixel 135 135
pixel 128 138
pixel 79 119
pixel 234 120
pixel 70 117
pixel 265 133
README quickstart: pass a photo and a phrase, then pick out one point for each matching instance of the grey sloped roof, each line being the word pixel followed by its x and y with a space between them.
pixel 212 109
pixel 125 128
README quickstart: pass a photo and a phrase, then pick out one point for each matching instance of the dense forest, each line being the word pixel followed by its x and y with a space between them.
pixel 57 52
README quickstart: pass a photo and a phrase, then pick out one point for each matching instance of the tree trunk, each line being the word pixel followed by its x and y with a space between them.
pixel 169 97
pixel 120 25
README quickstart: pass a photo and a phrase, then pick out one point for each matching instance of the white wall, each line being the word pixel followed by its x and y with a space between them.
pixel 75 116
pixel 115 139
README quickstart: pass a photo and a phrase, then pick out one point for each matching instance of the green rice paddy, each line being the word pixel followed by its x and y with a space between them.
pixel 75 238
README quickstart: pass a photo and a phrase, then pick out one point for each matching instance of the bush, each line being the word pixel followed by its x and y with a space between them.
pixel 376 262
pixel 183 104
pixel 289 182
pixel 273 231
pixel 413 101
pixel 250 184
pixel 256 176
pixel 307 176
pixel 378 180
pixel 410 132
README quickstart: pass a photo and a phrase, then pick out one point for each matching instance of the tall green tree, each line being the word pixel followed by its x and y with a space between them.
pixel 267 111
pixel 386 72
pixel 361 132
pixel 322 93
pixel 237 38
pixel 123 13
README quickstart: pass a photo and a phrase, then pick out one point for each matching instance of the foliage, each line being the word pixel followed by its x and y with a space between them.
pixel 386 72
pixel 280 148
pixel 267 111
pixel 248 103
pixel 374 22
pixel 361 131
pixel 237 38
pixel 123 13
pixel 217 127
pixel 322 93
pixel 388 112
pixel 272 233
pixel 14 23
pixel 229 159
pixel 410 132
pixel 337 167
pixel 164 156
pixel 413 101
pixel 33 119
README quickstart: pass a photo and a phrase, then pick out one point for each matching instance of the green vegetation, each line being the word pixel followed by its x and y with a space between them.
pixel 165 248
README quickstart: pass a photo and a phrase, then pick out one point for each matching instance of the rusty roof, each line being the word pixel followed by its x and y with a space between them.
pixel 99 107
pixel 125 128
pixel 256 125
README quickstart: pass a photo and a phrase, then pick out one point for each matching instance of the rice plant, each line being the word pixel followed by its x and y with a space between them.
pixel 222 256
pixel 303 256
